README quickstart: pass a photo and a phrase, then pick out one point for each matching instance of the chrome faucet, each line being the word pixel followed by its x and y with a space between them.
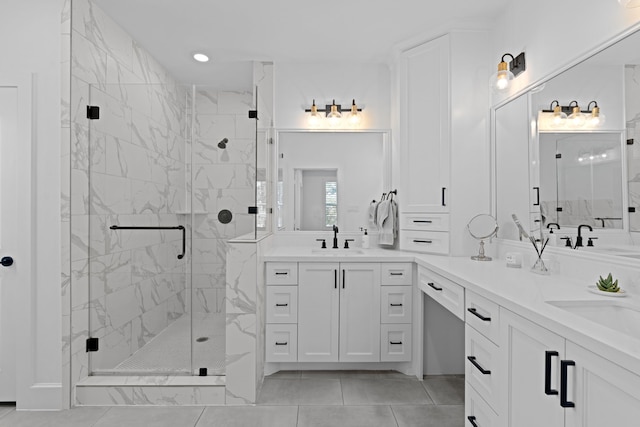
pixel 579 238
pixel 335 236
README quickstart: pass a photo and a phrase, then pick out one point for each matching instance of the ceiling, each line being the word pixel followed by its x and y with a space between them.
pixel 235 32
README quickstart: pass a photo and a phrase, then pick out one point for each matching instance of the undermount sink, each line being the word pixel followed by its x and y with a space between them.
pixel 337 252
pixel 616 315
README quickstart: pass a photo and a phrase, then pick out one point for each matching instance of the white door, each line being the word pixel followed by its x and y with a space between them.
pixel 318 312
pixel 604 394
pixel 530 397
pixel 360 312
pixel 8 273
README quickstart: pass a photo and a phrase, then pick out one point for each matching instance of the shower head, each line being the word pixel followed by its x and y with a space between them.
pixel 223 143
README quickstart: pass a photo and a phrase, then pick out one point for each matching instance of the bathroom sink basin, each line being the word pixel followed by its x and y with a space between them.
pixel 337 252
pixel 613 314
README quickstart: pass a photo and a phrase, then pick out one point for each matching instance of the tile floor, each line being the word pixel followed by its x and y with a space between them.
pixel 290 399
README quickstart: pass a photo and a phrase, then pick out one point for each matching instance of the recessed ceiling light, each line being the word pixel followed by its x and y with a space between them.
pixel 200 57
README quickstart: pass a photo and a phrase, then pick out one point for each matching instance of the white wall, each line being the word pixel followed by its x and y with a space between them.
pixel 30 43
pixel 555 33
pixel 298 84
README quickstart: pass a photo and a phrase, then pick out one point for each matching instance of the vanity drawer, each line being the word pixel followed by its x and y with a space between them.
pixel 396 273
pixel 427 222
pixel 476 409
pixel 482 365
pixel 281 343
pixel 435 242
pixel 282 273
pixel 483 315
pixel 395 343
pixel 395 304
pixel 282 304
pixel 449 294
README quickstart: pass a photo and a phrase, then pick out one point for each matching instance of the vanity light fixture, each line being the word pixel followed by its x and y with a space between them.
pixel 576 119
pixel 629 3
pixel 595 118
pixel 507 71
pixel 333 113
pixel 559 117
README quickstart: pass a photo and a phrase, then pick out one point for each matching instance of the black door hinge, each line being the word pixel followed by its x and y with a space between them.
pixel 558 209
pixel 632 209
pixel 253 114
pixel 630 141
pixel 202 372
pixel 253 210
pixel 93 112
pixel 92 344
pixel 558 156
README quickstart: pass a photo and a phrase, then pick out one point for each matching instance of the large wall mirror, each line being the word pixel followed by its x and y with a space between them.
pixel 329 177
pixel 554 168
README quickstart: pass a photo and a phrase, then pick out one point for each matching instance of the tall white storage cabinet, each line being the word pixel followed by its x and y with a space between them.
pixel 444 140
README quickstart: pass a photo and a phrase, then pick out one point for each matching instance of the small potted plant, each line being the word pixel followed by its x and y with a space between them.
pixel 608 284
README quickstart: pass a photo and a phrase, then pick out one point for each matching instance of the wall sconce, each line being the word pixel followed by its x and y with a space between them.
pixel 507 72
pixel 333 114
pixel 576 117
pixel 629 3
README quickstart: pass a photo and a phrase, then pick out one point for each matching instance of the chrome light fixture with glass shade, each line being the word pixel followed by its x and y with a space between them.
pixel 507 71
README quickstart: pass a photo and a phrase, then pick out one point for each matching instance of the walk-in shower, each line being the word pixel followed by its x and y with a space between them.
pixel 157 173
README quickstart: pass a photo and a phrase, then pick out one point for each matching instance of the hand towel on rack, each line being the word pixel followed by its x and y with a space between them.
pixel 388 225
pixel 373 207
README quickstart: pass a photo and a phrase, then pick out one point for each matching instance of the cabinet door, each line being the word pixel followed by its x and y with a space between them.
pixel 523 347
pixel 318 299
pixel 424 107
pixel 604 394
pixel 359 312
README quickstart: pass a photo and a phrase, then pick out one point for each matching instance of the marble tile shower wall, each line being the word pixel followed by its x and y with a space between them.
pixel 223 178
pixel 127 168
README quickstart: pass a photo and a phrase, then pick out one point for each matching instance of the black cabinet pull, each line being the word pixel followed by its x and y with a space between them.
pixel 6 261
pixel 282 305
pixel 281 343
pixel 395 342
pixel 434 286
pixel 279 273
pixel 472 359
pixel 422 241
pixel 343 278
pixel 537 203
pixel 424 221
pixel 478 315
pixel 443 190
pixel 396 274
pixel 396 305
pixel 335 279
pixel 472 420
pixel 564 365
pixel 547 372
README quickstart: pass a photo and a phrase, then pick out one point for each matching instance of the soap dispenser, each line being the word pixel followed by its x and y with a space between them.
pixel 365 239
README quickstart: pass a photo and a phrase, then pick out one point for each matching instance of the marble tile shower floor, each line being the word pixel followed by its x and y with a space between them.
pixel 170 350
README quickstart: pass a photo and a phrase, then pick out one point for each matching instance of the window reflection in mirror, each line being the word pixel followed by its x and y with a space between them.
pixel 581 179
pixel 327 178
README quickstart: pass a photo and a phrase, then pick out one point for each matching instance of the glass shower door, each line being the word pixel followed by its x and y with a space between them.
pixel 139 229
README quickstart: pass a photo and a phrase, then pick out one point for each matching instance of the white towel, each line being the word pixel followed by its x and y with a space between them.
pixel 388 224
pixel 373 207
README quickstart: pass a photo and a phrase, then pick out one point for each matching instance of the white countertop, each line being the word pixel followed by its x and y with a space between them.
pixel 517 290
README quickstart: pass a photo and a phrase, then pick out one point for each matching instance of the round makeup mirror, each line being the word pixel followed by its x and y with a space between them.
pixel 482 227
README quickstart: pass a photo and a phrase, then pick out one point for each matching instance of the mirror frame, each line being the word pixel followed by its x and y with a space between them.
pixel 386 167
pixel 527 91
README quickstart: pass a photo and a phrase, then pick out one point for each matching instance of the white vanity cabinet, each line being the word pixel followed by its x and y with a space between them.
pixel 281 312
pixel 339 312
pixel 550 381
pixel 396 312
